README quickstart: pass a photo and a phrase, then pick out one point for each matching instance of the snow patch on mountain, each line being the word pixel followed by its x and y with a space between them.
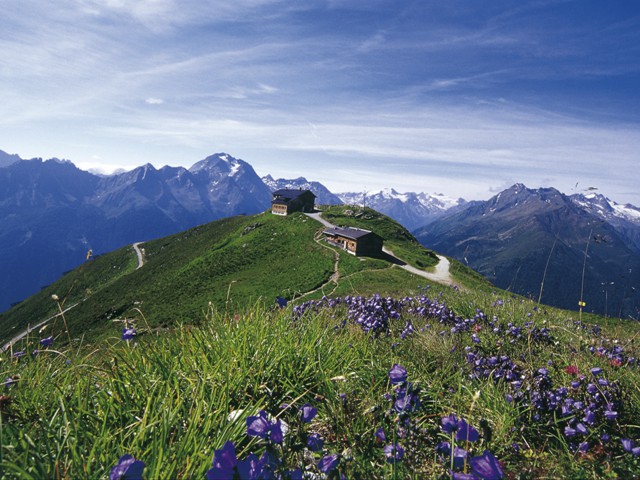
pixel 606 208
pixel 412 210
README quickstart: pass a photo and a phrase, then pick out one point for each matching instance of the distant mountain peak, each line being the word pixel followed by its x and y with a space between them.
pixel 220 163
pixel 7 159
pixel 605 208
pixel 411 209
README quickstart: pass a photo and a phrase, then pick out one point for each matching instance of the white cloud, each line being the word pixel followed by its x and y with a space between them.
pixel 154 101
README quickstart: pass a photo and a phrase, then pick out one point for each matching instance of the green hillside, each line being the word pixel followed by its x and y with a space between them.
pixel 368 372
pixel 229 263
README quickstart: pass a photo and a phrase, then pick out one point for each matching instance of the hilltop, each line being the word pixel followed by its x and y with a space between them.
pixel 229 263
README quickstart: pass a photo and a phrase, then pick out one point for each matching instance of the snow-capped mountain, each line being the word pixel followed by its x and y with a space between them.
pixel 525 239
pixel 323 195
pixel 412 210
pixel 625 219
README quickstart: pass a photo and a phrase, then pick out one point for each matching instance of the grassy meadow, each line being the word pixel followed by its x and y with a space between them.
pixel 379 374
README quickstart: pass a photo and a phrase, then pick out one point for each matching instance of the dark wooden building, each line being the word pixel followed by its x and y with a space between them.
pixel 286 201
pixel 355 240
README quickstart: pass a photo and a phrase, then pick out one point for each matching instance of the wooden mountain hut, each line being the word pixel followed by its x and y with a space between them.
pixel 356 241
pixel 286 201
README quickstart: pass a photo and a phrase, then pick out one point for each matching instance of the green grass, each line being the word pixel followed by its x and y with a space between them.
pixel 211 342
pixel 166 398
pixel 233 261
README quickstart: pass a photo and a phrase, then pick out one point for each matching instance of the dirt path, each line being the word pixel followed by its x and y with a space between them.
pixel 440 275
pixel 20 336
pixel 335 276
pixel 139 253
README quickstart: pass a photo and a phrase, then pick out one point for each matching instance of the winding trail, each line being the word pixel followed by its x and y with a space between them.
pixel 30 329
pixel 139 253
pixel 441 273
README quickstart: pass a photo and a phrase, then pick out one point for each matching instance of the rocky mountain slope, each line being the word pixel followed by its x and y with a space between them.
pixel 525 240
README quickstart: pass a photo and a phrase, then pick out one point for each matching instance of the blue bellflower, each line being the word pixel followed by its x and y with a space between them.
pixel 486 466
pixel 328 463
pixel 128 468
pixel 308 412
pixel 394 452
pixel 224 463
pixel 397 374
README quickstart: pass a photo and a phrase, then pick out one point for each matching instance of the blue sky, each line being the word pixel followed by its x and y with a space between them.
pixel 463 98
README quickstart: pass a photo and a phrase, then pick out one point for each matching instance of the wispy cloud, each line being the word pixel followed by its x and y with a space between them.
pixel 452 92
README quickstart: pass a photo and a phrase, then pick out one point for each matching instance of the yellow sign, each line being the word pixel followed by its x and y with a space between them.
pixel 582 304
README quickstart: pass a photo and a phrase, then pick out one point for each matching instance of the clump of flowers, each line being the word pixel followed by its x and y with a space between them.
pixel 277 441
pixel 405 435
pixel 456 452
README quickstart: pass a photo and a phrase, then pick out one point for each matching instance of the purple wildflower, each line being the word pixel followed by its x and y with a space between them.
pixel 393 452
pixel 47 342
pixel 251 468
pixel 459 457
pixel 128 333
pixel 128 468
pixel 450 424
pixel 589 417
pixel 462 476
pixel 224 463
pixel 275 432
pixel 627 444
pixel 308 412
pixel 381 437
pixel 315 442
pixel 258 426
pixel 397 374
pixel 466 432
pixel 328 463
pixel 486 466
pixel 444 448
pixel 282 302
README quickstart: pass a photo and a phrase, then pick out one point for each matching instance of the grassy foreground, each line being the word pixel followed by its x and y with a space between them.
pixel 486 377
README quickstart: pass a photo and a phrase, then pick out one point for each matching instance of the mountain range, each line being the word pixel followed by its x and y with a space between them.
pixel 53 214
pixel 322 193
pixel 548 246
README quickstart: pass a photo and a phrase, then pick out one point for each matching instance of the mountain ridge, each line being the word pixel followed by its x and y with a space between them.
pixel 522 238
